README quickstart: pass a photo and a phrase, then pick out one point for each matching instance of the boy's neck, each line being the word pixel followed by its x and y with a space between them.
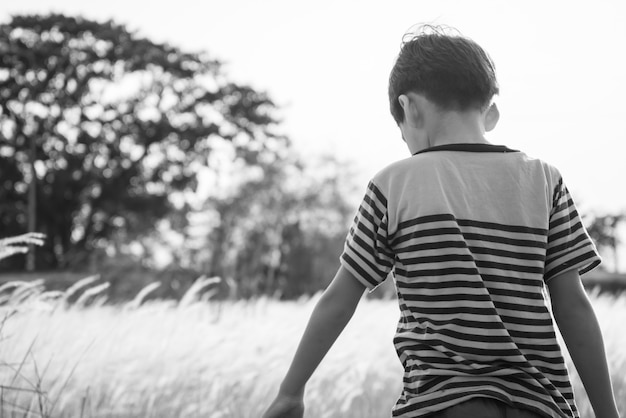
pixel 426 125
pixel 456 127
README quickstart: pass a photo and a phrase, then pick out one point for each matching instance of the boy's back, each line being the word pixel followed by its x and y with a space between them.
pixel 471 232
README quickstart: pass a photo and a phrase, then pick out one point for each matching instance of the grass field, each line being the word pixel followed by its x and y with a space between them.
pixel 206 359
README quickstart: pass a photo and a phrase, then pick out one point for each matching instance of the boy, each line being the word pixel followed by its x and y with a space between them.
pixel 472 232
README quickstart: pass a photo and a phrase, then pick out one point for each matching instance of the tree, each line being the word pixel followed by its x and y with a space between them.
pixel 104 127
pixel 603 229
pixel 278 230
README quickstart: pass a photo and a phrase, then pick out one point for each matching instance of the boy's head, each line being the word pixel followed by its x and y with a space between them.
pixel 451 71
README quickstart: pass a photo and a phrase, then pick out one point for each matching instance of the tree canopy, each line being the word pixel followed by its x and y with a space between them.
pixel 106 126
pixel 104 135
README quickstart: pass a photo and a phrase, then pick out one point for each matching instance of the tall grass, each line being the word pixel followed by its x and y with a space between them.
pixel 199 358
pixel 19 244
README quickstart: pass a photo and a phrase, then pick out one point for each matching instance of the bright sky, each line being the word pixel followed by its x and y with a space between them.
pixel 561 66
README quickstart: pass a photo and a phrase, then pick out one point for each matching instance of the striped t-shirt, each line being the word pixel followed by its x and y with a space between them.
pixel 471 234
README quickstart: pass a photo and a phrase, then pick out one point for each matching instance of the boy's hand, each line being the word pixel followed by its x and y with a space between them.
pixel 286 406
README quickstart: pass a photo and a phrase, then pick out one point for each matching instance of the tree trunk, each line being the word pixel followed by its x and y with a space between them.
pixel 32 205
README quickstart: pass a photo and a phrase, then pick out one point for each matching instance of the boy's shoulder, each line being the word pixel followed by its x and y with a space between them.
pixel 424 165
pixel 551 171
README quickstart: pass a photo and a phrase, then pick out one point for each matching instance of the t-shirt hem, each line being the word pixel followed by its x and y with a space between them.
pixel 439 408
pixel 370 287
pixel 583 267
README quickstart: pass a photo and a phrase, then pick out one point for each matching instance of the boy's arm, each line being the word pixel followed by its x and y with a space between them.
pixel 579 327
pixel 330 316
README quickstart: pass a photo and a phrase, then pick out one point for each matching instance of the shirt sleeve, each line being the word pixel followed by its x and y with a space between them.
pixel 366 252
pixel 569 244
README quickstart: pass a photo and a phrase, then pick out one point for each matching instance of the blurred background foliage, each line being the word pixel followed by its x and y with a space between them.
pixel 140 161
pixel 143 162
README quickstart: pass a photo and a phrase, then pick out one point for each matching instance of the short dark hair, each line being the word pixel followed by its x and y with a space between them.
pixel 450 70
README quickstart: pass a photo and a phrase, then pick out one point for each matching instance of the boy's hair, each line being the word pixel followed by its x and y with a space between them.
pixel 450 70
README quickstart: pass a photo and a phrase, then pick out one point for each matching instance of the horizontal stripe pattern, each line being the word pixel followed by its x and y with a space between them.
pixel 474 319
pixel 569 245
pixel 367 254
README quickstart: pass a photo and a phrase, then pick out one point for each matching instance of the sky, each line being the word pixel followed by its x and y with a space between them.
pixel 561 66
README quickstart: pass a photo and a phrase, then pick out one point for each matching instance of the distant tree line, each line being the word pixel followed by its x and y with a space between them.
pixel 104 135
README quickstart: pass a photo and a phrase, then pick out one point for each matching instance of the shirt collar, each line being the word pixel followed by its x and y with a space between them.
pixel 467 147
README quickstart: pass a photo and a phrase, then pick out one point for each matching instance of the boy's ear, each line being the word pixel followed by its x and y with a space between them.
pixel 409 109
pixel 404 103
pixel 491 117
